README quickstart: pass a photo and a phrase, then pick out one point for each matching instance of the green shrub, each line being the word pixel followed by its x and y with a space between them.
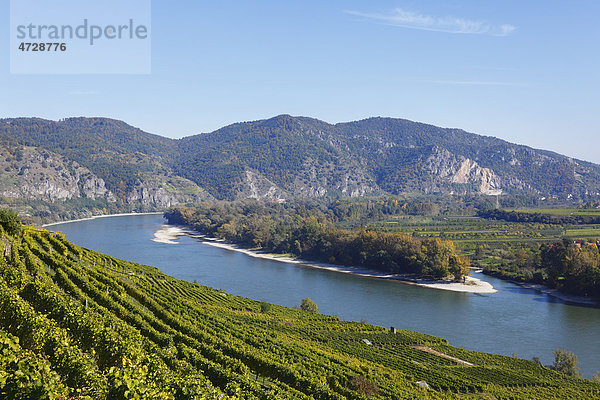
pixel 10 221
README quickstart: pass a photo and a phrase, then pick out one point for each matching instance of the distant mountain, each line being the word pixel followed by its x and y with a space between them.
pixel 83 166
pixel 297 156
pixel 279 157
pixel 285 157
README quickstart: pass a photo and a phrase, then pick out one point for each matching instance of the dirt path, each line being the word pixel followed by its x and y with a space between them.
pixel 439 354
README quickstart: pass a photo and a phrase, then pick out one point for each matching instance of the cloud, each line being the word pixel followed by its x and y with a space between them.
pixel 414 20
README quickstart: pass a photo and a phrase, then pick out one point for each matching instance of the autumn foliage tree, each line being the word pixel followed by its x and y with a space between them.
pixel 311 234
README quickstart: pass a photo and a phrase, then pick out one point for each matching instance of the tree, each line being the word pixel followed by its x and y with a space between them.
pixel 596 377
pixel 308 305
pixel 265 307
pixel 566 362
pixel 459 267
pixel 10 221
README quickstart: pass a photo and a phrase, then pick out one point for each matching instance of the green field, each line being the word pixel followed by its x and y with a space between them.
pixel 467 231
pixel 514 250
pixel 80 324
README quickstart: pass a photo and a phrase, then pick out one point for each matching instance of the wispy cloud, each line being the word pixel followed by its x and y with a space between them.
pixel 448 24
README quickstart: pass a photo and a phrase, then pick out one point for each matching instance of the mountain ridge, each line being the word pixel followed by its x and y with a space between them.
pixel 286 156
pixel 337 124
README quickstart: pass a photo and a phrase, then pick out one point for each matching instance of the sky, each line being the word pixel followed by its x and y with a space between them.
pixel 524 71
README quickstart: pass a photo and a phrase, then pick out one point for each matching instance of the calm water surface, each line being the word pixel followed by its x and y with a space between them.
pixel 514 320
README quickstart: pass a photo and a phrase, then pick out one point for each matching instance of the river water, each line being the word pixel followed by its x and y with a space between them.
pixel 512 321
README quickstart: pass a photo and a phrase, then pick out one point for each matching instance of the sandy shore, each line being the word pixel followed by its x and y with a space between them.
pixel 101 216
pixel 168 234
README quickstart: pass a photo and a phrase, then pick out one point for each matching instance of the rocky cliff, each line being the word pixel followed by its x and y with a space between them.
pixel 37 174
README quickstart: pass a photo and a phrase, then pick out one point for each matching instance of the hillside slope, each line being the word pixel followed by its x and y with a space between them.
pixel 287 156
pixel 85 166
pixel 78 323
pixel 295 155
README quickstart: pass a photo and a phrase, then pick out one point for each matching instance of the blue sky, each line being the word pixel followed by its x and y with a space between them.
pixel 527 72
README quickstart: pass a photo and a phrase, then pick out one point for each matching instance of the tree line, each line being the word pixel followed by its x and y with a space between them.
pixel 571 266
pixel 517 216
pixel 310 234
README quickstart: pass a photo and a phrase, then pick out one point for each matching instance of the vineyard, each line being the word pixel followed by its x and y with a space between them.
pixel 465 231
pixel 78 324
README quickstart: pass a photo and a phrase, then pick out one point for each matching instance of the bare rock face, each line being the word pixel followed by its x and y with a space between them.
pixel 470 172
pixel 93 187
pixel 311 191
pixel 333 178
pixel 256 186
pixel 151 196
pixel 452 169
pixel 163 192
pixel 35 174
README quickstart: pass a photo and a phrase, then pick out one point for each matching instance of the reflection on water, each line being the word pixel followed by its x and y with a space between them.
pixel 514 320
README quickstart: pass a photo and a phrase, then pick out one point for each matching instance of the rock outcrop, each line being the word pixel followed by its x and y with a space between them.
pixel 452 169
pixel 36 174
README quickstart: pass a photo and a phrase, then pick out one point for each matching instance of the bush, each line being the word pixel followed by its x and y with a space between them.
pixel 566 362
pixel 10 221
pixel 265 307
pixel 308 305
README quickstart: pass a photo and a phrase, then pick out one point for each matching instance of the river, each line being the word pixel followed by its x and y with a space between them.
pixel 513 320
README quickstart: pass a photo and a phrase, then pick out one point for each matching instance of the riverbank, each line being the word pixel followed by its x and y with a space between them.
pixel 567 298
pixel 168 234
pixel 101 216
pixel 555 293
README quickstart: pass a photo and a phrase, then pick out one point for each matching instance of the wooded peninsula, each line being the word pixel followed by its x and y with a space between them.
pixel 310 234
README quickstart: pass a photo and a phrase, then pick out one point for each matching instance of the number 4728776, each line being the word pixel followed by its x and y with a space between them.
pixel 42 46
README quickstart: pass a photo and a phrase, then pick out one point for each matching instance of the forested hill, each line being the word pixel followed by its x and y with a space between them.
pixel 287 156
pixel 308 157
pixel 77 137
pixel 79 167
